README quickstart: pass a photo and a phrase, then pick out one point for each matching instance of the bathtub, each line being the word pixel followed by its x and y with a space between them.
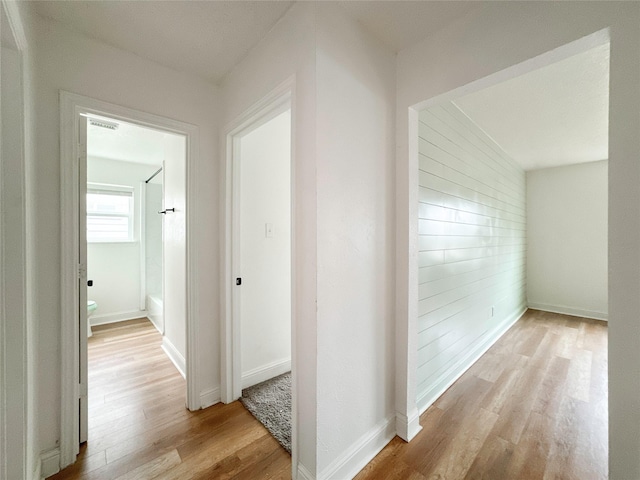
pixel 155 311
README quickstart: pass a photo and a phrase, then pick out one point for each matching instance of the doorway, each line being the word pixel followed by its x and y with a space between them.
pixel 180 141
pixel 259 261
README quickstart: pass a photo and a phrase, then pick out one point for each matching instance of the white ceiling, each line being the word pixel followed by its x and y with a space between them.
pixel 557 115
pixel 553 116
pixel 129 143
pixel 401 24
pixel 208 38
pixel 205 38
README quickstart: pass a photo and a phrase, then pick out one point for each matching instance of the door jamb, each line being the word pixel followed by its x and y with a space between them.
pixel 277 101
pixel 71 106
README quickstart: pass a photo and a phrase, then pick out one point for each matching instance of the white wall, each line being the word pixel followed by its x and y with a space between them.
pixel 20 446
pixel 472 246
pixel 486 42
pixel 288 50
pixel 115 267
pixel 72 62
pixel 567 239
pixel 153 237
pixel 174 251
pixel 265 263
pixel 355 148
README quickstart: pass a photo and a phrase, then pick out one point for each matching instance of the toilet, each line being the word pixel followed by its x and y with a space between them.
pixel 91 307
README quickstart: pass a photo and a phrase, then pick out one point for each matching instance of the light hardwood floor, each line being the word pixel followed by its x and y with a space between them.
pixel 533 407
pixel 139 427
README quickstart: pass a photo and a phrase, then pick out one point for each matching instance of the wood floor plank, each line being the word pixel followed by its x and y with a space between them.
pixel 139 427
pixel 544 387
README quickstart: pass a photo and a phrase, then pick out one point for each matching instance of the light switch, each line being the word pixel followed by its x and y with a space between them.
pixel 268 230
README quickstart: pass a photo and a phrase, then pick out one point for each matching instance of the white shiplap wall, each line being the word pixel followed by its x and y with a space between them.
pixel 472 246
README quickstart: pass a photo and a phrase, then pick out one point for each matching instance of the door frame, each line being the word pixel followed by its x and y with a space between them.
pixel 72 106
pixel 274 104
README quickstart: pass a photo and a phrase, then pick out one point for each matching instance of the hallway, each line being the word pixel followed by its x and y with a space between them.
pixel 139 426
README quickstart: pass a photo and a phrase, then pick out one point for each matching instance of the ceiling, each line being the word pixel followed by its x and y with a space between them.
pixel 401 24
pixel 553 116
pixel 128 143
pixel 557 115
pixel 208 38
pixel 204 38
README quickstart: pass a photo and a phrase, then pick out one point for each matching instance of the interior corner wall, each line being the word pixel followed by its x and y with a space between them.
pixel 69 61
pixel 355 175
pixel 567 239
pixel 471 246
pixel 21 15
pixel 287 51
pixel 485 42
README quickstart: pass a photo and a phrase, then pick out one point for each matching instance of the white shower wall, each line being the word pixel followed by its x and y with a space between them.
pixel 153 238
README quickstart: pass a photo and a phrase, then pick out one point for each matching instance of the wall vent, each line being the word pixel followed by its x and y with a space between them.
pixel 103 124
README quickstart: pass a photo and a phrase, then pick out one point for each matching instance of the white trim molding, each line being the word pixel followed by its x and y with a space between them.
pixel 575 312
pixel 443 382
pixel 277 101
pixel 49 462
pixel 303 473
pixel 209 397
pixel 71 107
pixel 407 427
pixel 358 455
pixel 265 372
pixel 117 317
pixel 175 356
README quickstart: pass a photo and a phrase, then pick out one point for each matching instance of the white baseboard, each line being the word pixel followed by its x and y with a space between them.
pixel 37 471
pixel 452 374
pixel 209 397
pixel 49 462
pixel 358 455
pixel 266 372
pixel 576 312
pixel 117 317
pixel 303 473
pixel 175 356
pixel 408 427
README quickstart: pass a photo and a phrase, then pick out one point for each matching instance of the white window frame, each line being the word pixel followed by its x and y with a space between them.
pixel 109 189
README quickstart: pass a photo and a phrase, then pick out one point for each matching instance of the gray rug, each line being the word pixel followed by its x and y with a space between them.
pixel 270 403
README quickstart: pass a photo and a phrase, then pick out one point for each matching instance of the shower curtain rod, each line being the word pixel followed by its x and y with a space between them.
pixel 151 177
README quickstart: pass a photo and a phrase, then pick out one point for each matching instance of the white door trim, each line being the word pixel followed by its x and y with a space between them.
pixel 407 176
pixel 276 102
pixel 71 106
pixel 15 324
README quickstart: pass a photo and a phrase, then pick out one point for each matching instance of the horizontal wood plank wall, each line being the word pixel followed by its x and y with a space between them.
pixel 472 246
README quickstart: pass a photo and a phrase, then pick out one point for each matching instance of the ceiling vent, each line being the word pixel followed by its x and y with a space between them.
pixel 103 124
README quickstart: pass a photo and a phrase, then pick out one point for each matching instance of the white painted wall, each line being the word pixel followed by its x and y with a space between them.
pixel 115 267
pixel 69 61
pixel 567 239
pixel 153 237
pixel 265 261
pixel 488 41
pixel 19 422
pixel 174 250
pixel 471 244
pixel 288 50
pixel 355 148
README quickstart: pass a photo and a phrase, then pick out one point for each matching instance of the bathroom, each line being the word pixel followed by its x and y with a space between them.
pixel 125 225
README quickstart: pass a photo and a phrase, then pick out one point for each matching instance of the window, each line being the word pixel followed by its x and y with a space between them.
pixel 109 213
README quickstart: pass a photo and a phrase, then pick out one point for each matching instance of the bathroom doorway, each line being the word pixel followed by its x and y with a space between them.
pixel 135 219
pixel 180 151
